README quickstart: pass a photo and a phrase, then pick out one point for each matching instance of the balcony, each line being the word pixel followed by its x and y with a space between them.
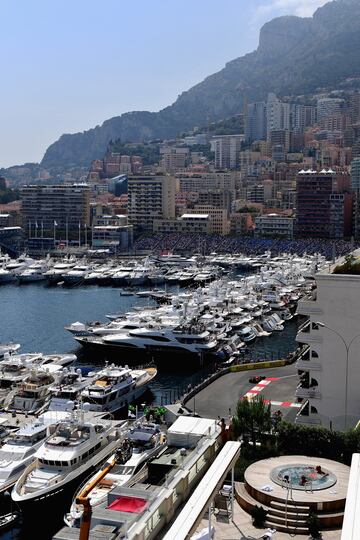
pixel 306 418
pixel 308 307
pixel 307 393
pixel 308 365
pixel 308 333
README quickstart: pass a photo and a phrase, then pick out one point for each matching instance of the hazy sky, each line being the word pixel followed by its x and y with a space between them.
pixel 68 65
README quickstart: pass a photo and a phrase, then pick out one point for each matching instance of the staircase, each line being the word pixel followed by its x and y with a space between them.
pixel 291 520
pixel 294 521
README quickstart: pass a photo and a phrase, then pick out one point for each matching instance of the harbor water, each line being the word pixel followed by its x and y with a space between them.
pixel 34 315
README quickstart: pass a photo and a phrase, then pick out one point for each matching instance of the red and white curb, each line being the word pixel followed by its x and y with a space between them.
pixel 255 391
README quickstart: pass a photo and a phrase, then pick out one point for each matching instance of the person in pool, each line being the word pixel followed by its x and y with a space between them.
pixel 303 480
pixel 320 471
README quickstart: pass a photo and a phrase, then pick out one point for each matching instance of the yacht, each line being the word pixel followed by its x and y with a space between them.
pixel 137 277
pixel 6 276
pixel 77 447
pixel 6 349
pixel 186 339
pixel 142 442
pixel 12 371
pixel 18 449
pixel 34 272
pixel 114 387
pixel 32 394
pixel 247 334
pixel 271 323
pixel 66 390
pixel 40 359
pixel 16 266
pixel 77 274
pixel 56 273
pixel 259 331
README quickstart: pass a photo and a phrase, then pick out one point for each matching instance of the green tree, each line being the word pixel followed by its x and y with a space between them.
pixel 252 418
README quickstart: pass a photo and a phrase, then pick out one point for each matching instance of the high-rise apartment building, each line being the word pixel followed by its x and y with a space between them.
pixel 227 150
pixel 174 157
pixel 150 197
pixel 255 129
pixel 302 116
pixel 277 114
pixel 355 174
pixel 355 187
pixel 65 206
pixel 354 108
pixel 319 212
pixel 329 107
pixel 226 180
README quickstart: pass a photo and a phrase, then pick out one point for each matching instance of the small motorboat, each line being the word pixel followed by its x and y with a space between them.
pixel 8 519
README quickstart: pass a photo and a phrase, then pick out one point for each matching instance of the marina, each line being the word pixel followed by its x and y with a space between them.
pixel 244 313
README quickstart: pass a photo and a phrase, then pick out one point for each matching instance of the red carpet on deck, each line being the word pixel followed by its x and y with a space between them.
pixel 128 504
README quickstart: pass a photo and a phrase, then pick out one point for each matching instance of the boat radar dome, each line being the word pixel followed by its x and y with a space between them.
pixel 69 405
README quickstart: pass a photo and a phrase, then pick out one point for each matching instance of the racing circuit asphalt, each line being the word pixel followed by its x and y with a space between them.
pixel 221 396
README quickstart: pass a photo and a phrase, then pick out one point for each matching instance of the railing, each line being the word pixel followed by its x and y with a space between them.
pixel 304 327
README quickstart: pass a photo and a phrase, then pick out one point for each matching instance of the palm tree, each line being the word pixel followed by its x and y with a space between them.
pixel 253 418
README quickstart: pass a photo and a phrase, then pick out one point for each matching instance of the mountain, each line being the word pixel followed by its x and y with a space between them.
pixel 295 56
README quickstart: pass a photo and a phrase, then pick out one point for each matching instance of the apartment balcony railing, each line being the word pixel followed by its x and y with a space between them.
pixel 306 418
pixel 307 334
pixel 308 365
pixel 308 307
pixel 307 393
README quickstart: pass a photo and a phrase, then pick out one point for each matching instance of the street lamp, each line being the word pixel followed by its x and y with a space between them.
pixel 347 348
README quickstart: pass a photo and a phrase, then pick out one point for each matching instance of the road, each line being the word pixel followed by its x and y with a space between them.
pixel 221 396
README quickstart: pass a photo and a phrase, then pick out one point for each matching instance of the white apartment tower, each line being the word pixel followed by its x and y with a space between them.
pixel 278 114
pixel 330 383
pixel 150 197
pixel 227 150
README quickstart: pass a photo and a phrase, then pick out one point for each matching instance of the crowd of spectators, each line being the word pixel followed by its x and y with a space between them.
pixel 206 244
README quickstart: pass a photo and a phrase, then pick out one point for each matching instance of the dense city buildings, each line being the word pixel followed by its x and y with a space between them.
pixel 252 159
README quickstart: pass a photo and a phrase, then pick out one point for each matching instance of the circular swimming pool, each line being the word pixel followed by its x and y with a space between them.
pixel 303 477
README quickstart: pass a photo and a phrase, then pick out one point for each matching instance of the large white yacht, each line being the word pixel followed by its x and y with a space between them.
pixel 142 442
pixel 56 273
pixel 189 339
pixel 114 387
pixel 77 446
pixel 34 272
pixel 18 449
pixel 40 359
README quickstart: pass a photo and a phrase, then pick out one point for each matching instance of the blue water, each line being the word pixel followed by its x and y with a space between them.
pixel 35 315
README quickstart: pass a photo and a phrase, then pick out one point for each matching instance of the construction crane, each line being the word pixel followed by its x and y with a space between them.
pixel 84 499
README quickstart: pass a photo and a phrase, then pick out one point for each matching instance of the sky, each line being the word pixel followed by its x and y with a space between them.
pixel 68 65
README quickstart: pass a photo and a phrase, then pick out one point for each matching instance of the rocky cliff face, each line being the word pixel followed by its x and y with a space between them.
pixel 295 56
